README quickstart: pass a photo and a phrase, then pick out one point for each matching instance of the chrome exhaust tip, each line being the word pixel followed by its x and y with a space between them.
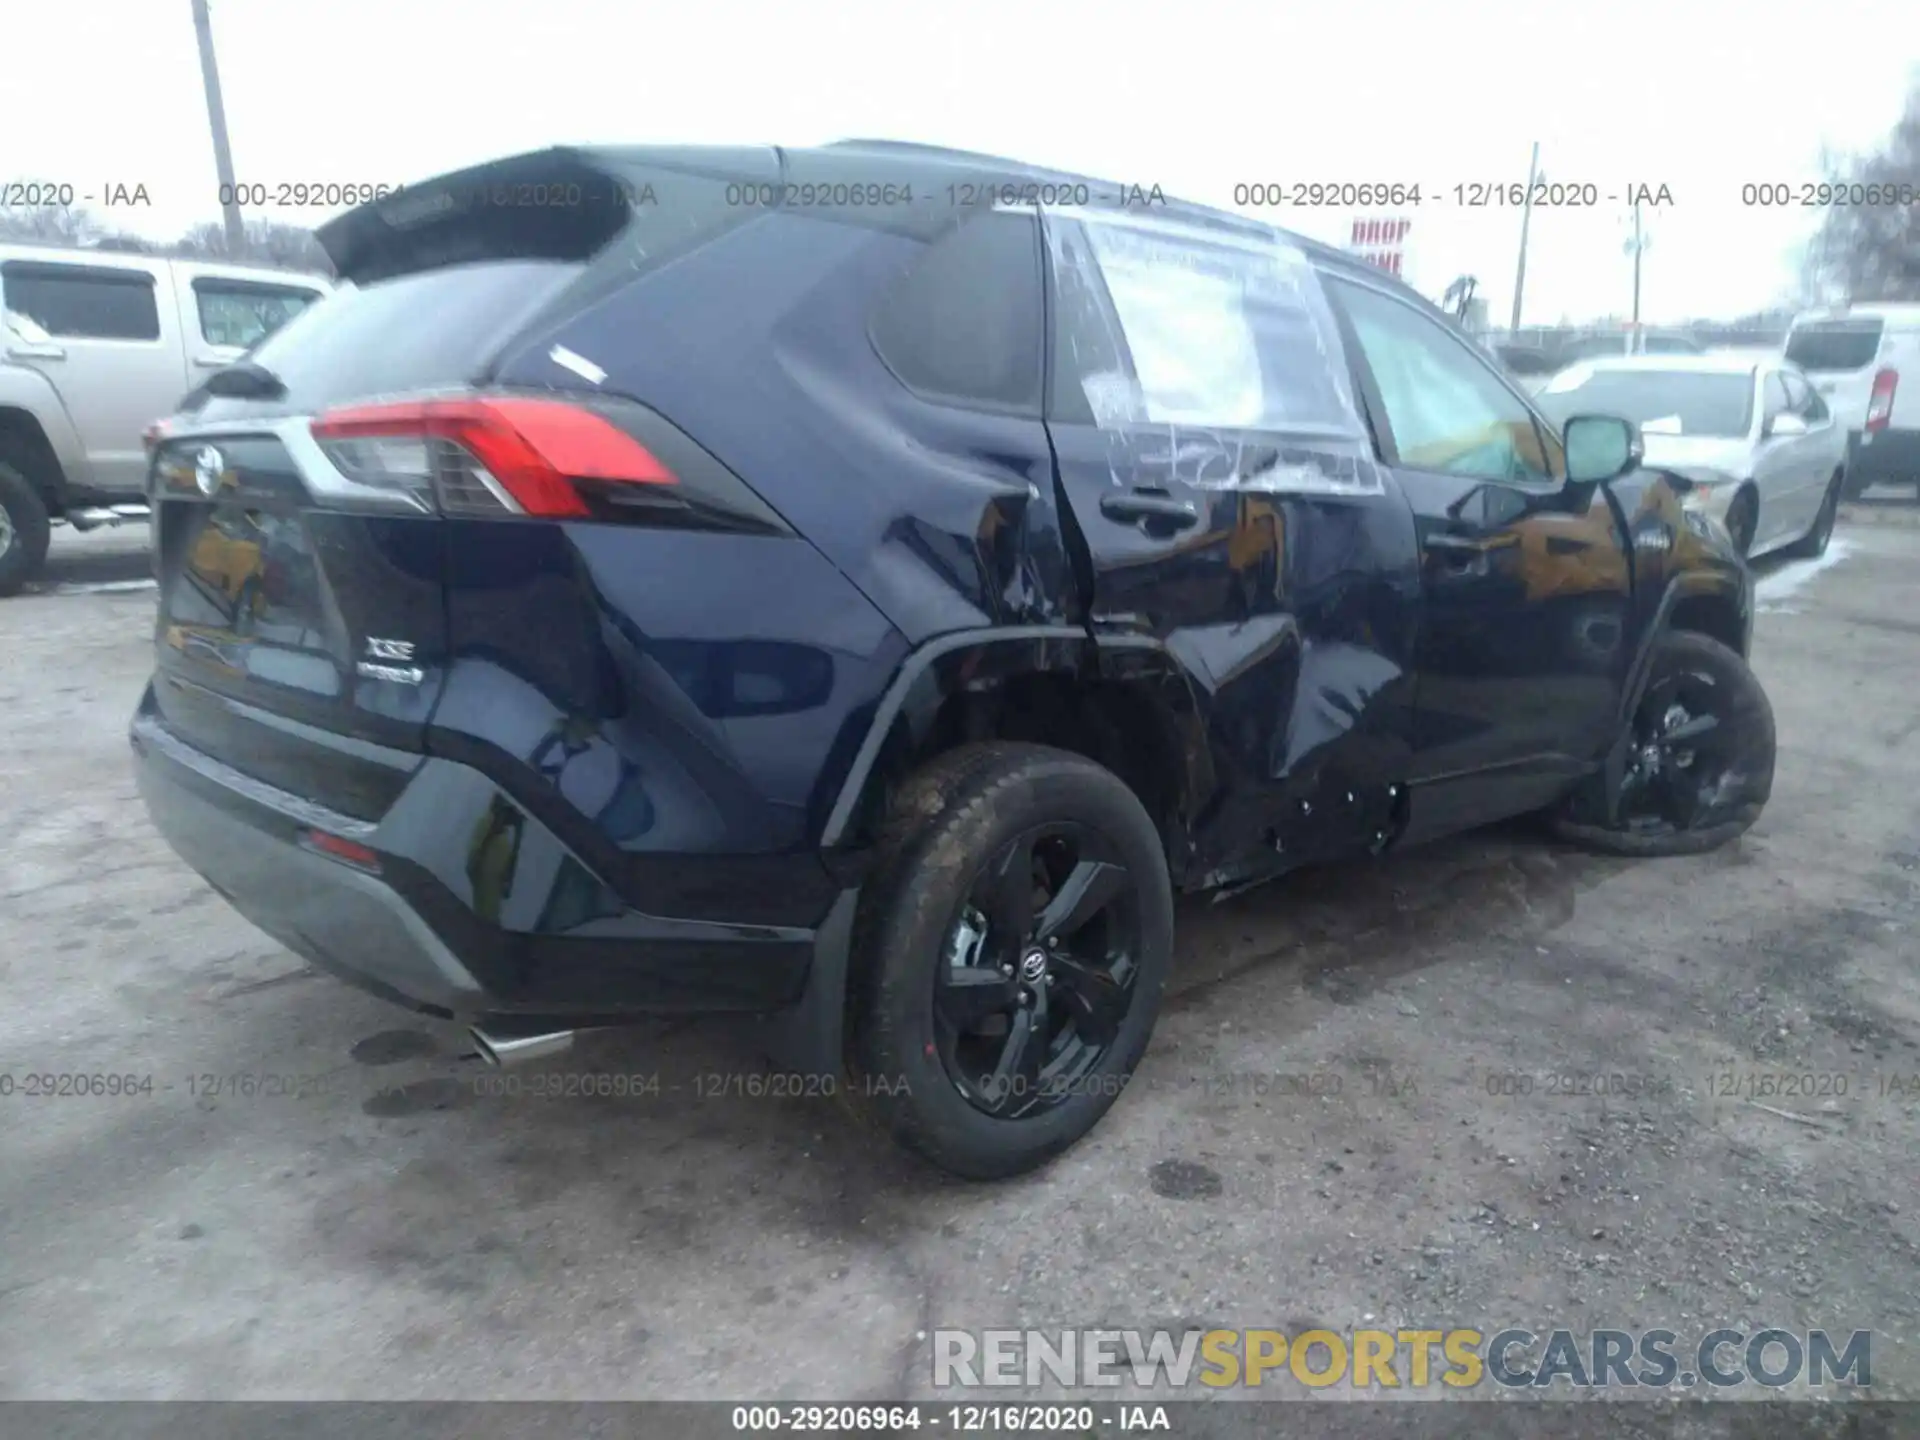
pixel 504 1050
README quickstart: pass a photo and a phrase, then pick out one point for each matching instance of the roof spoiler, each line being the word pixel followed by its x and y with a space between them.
pixel 565 204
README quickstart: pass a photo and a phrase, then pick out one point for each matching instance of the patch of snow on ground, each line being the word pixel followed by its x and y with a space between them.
pixel 1770 593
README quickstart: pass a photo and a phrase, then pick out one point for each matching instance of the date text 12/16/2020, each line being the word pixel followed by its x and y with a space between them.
pixel 1468 195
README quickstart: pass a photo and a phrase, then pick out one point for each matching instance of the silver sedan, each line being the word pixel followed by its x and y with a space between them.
pixel 1755 441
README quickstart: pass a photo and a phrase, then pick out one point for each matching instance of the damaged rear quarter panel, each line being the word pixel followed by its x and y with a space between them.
pixel 942 512
pixel 758 346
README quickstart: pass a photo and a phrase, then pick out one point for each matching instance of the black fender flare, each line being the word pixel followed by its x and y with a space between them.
pixel 976 658
pixel 1732 587
pixel 929 674
pixel 808 1037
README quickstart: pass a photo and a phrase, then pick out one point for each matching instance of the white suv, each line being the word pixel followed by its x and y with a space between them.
pixel 94 346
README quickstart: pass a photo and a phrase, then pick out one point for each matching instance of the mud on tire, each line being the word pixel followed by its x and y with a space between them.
pixel 943 848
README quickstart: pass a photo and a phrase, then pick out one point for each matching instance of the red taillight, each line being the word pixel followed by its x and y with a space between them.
pixel 1880 402
pixel 532 450
pixel 348 852
pixel 153 435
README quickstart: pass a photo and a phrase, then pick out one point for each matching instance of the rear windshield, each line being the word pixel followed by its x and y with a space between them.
pixel 1834 344
pixel 1661 402
pixel 453 270
pixel 423 331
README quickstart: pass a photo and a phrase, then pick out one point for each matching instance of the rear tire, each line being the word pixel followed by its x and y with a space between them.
pixel 25 530
pixel 1813 544
pixel 1706 787
pixel 988 850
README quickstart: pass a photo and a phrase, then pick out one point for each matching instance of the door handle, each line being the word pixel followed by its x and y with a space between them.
pixel 211 362
pixel 36 352
pixel 1143 508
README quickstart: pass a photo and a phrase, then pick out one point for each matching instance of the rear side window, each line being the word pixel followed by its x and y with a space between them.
pixel 1188 329
pixel 83 302
pixel 243 313
pixel 964 323
pixel 1834 344
pixel 435 328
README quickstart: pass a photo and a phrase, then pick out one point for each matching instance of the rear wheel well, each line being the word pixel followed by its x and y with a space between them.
pixel 1712 616
pixel 1115 724
pixel 24 445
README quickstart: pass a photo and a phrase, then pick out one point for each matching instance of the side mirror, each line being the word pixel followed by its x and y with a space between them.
pixel 1600 448
pixel 1783 426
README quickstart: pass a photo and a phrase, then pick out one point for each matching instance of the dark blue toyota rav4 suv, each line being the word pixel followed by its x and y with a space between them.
pixel 860 586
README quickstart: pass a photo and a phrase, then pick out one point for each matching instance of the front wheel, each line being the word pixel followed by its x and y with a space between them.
pixel 1743 520
pixel 1700 751
pixel 1009 958
pixel 1814 543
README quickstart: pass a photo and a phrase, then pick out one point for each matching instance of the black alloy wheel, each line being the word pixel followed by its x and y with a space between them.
pixel 1039 972
pixel 1698 758
pixel 1009 955
pixel 1680 753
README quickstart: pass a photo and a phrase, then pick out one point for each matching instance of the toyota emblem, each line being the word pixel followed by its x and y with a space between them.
pixel 209 469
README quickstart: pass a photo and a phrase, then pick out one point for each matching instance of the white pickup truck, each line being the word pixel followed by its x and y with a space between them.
pixel 94 346
pixel 1865 360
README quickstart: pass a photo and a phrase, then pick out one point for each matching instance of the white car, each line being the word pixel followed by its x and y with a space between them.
pixel 1759 447
pixel 1855 358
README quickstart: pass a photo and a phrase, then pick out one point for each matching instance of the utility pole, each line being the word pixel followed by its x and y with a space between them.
pixel 1636 247
pixel 217 121
pixel 1526 215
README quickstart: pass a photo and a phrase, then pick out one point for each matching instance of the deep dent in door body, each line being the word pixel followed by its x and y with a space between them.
pixel 1303 570
pixel 1303 685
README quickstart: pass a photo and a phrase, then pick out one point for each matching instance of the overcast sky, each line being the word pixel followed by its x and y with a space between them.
pixel 1197 98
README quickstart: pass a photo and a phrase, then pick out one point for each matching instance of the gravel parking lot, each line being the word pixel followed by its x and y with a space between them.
pixel 362 1219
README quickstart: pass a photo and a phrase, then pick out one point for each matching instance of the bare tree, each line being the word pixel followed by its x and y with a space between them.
pixel 75 227
pixel 268 243
pixel 62 225
pixel 1871 250
pixel 1458 299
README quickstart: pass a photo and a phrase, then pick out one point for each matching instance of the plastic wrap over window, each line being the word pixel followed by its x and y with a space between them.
pixel 1211 348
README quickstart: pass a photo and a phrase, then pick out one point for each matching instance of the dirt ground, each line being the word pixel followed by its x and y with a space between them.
pixel 390 1231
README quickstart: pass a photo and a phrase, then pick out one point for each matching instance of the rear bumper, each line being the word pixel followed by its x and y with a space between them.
pixel 494 920
pixel 1891 456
